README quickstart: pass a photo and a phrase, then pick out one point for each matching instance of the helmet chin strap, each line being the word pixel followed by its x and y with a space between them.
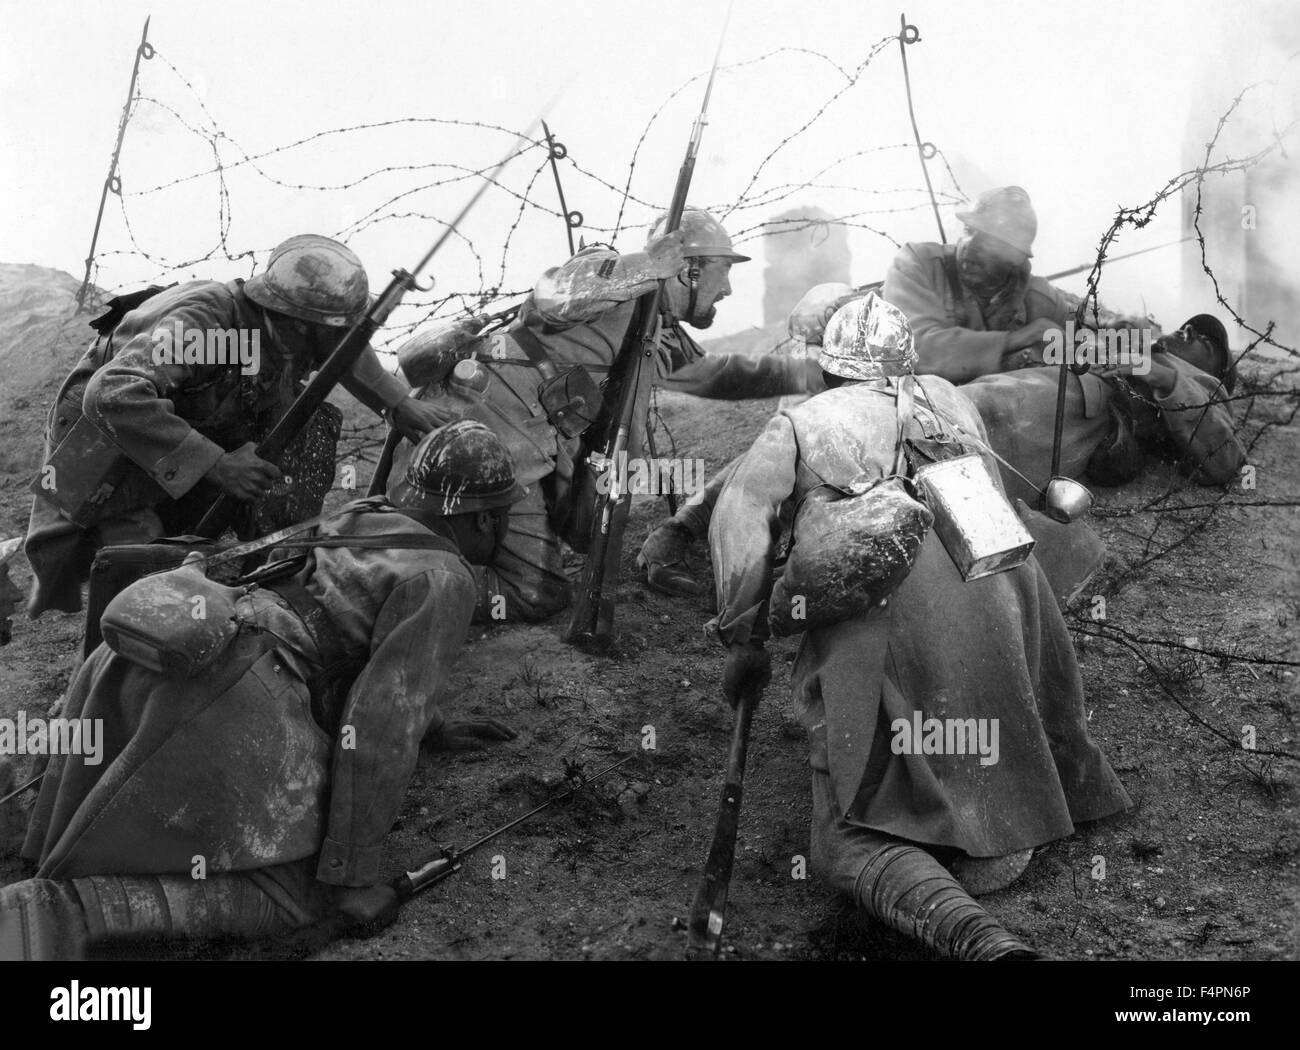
pixel 692 282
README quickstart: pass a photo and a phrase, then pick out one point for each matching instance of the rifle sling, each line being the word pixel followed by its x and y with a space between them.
pixel 532 346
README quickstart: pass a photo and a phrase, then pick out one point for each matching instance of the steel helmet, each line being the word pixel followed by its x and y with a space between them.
pixel 1007 214
pixel 1211 330
pixel 456 469
pixel 868 339
pixel 314 279
pixel 702 236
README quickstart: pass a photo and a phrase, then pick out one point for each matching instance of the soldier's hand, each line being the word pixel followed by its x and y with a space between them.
pixel 1106 370
pixel 468 734
pixel 749 668
pixel 413 419
pixel 666 255
pixel 244 474
pixel 1032 333
pixel 812 313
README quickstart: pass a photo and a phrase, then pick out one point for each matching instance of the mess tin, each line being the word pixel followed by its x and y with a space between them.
pixel 978 527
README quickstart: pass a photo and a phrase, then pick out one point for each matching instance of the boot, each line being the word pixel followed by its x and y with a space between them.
pixel 981 875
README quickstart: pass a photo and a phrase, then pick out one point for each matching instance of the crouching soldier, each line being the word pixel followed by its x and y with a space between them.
pixel 253 797
pixel 908 829
pixel 544 385
pixel 163 412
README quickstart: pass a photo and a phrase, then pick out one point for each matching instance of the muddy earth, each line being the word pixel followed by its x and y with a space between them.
pixel 1199 641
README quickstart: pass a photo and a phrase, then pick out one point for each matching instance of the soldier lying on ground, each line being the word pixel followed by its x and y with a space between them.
pixel 907 834
pixel 582 316
pixel 255 798
pixel 981 320
pixel 174 411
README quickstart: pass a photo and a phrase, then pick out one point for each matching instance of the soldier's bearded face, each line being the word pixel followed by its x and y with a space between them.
pixel 713 286
pixel 984 263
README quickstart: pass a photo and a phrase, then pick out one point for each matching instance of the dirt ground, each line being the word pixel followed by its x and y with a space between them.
pixel 1203 867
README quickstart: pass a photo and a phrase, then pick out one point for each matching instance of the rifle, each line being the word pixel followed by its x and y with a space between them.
pixel 19 790
pixel 593 613
pixel 449 861
pixel 709 908
pixel 345 355
pixel 875 286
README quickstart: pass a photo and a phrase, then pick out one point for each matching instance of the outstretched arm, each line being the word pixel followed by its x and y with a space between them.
pixel 744 531
pixel 1192 406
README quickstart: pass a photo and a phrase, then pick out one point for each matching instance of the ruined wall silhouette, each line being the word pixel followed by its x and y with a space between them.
pixel 806 249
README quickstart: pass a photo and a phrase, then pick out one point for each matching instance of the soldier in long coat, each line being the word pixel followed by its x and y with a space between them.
pixel 255 798
pixel 903 829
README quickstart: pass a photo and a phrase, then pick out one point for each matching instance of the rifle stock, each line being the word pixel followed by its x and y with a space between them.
pixel 708 909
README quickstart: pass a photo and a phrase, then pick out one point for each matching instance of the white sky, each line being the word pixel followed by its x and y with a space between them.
pixel 1086 105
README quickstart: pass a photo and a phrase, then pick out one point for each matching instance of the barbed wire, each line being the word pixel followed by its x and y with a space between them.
pixel 1179 513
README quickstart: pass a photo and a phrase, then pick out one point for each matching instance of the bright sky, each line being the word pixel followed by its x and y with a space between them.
pixel 1085 104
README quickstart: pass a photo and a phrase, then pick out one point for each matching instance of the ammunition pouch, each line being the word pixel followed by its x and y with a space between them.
pixel 88 478
pixel 571 399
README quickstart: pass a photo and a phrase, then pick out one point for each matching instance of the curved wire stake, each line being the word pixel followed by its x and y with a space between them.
pixel 909 34
pixel 557 151
pixel 113 183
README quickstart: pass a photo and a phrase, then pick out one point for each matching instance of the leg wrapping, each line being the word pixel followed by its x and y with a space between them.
pixel 911 892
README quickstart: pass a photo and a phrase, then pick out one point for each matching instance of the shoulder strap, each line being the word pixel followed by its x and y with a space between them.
pixel 532 347
pixel 904 402
pixel 954 285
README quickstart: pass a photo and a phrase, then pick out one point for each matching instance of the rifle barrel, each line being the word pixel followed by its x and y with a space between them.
pixel 412 882
pixel 350 347
pixel 593 611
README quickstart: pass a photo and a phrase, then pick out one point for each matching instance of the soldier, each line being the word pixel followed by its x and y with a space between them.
pixel 889 810
pixel 579 319
pixel 981 319
pixel 255 799
pixel 169 402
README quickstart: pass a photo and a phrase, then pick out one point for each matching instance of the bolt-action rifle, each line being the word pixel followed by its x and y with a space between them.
pixel 450 860
pixel 593 614
pixel 349 349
